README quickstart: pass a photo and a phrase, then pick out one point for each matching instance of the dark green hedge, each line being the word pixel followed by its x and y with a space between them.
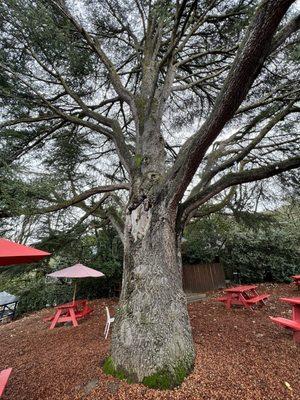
pixel 268 253
pixel 261 256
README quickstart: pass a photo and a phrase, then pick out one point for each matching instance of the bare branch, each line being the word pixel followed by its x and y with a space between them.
pixel 96 47
pixel 245 68
pixel 232 179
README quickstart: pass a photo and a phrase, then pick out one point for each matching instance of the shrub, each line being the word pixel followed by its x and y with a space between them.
pixel 261 252
pixel 205 240
pixel 41 295
pixel 263 255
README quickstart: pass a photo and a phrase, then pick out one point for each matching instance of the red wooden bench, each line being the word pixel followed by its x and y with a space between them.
pixel 294 323
pixel 85 310
pixel 257 299
pixel 287 323
pixel 222 299
pixel 4 376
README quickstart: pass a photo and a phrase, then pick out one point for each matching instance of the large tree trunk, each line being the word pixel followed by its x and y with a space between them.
pixel 151 340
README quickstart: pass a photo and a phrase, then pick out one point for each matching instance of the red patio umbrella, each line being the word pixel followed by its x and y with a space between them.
pixel 15 253
pixel 76 271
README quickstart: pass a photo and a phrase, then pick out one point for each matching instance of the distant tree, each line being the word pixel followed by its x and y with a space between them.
pixel 119 108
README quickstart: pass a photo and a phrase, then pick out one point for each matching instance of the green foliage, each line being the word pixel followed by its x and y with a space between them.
pixel 40 295
pixel 264 255
pixel 267 250
pixel 33 291
pixel 94 288
pixel 205 239
pixel 55 41
pixel 15 193
pixel 102 252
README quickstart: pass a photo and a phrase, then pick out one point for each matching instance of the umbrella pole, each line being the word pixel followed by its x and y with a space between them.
pixel 74 293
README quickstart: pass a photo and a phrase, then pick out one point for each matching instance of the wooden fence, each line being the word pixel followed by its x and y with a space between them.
pixel 199 278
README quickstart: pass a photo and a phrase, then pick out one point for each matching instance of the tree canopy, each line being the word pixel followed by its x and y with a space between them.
pixel 77 77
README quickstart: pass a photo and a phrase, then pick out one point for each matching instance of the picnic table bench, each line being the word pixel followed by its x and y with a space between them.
pixel 257 299
pixel 69 312
pixel 4 376
pixel 244 295
pixel 294 323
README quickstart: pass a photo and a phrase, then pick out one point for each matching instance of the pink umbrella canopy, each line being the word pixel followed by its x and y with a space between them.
pixel 77 271
pixel 14 253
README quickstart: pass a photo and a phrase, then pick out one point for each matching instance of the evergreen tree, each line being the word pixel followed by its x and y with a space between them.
pixel 117 105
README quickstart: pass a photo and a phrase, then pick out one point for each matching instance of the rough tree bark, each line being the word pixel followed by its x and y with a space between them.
pixel 152 325
pixel 152 341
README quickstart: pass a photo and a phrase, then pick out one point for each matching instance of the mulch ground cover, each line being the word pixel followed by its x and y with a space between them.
pixel 241 355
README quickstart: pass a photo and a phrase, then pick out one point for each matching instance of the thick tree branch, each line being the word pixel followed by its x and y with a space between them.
pixel 22 120
pixel 233 179
pixel 208 209
pixel 269 98
pixel 292 27
pixel 89 211
pixel 241 154
pixel 96 47
pixel 74 201
pixel 199 82
pixel 245 68
pixel 116 222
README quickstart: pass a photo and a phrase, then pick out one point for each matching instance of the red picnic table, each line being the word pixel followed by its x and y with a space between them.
pixel 4 376
pixel 294 323
pixel 244 295
pixel 296 279
pixel 69 312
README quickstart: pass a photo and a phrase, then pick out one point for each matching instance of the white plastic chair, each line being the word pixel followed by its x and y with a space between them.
pixel 109 319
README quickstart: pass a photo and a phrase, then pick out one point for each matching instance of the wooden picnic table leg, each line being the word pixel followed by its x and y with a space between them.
pixel 243 301
pixel 296 312
pixel 228 301
pixel 55 319
pixel 296 336
pixel 256 294
pixel 73 317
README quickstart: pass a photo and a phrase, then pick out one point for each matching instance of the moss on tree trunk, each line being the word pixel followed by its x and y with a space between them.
pixel 151 339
